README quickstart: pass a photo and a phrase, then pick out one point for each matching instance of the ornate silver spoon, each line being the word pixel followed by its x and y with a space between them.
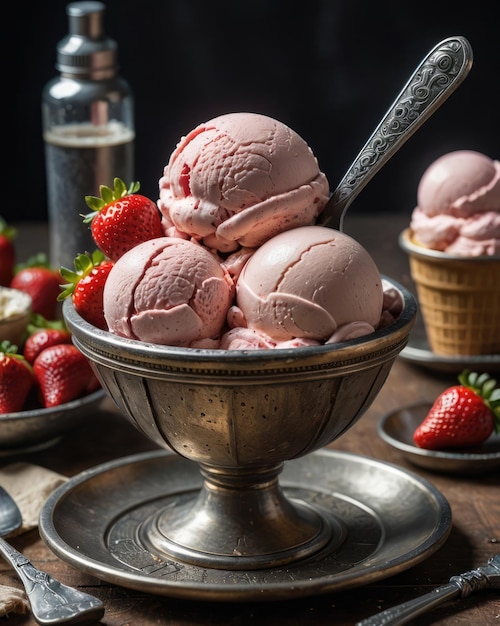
pixel 51 602
pixel 437 76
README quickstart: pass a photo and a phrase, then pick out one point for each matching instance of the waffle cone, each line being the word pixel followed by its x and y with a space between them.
pixel 459 300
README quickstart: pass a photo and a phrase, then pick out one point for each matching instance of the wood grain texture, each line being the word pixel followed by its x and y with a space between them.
pixel 475 504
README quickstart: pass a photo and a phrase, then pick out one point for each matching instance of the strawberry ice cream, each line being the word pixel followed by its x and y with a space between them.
pixel 168 291
pixel 453 246
pixel 458 205
pixel 243 264
pixel 239 179
pixel 306 286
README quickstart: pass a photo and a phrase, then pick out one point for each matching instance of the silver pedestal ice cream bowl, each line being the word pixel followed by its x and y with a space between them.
pixel 240 416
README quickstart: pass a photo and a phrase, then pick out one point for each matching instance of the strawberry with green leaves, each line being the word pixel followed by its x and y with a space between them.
pixel 462 416
pixel 7 253
pixel 85 284
pixel 43 333
pixel 17 379
pixel 41 281
pixel 63 374
pixel 121 218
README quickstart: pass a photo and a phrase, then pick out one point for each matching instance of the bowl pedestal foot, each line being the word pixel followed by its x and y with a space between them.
pixel 239 520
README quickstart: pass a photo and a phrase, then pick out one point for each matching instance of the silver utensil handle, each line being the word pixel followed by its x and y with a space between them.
pixel 51 602
pixel 403 613
pixel 462 585
pixel 437 76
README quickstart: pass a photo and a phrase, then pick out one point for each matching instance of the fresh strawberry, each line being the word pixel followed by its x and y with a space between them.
pixel 41 282
pixel 121 218
pixel 7 253
pixel 86 286
pixel 63 373
pixel 462 416
pixel 16 379
pixel 41 338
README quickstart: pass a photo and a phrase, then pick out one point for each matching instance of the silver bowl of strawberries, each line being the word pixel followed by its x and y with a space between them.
pixel 39 428
pixel 47 388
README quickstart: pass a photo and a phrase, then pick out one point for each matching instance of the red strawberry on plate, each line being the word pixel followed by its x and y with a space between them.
pixel 43 335
pixel 16 379
pixel 86 286
pixel 7 253
pixel 63 373
pixel 462 416
pixel 121 218
pixel 42 282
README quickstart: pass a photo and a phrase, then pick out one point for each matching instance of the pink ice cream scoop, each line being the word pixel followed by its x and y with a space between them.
pixel 311 283
pixel 168 291
pixel 458 205
pixel 238 180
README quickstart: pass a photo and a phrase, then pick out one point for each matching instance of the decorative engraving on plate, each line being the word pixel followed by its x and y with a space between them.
pixel 363 538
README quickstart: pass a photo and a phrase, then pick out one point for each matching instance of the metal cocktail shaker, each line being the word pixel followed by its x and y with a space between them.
pixel 88 129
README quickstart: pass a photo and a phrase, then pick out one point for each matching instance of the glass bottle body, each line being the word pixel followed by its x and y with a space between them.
pixel 88 133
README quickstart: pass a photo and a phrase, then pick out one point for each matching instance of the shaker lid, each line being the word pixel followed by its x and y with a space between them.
pixel 86 49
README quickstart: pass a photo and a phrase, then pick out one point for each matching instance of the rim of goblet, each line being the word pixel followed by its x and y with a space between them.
pixel 96 341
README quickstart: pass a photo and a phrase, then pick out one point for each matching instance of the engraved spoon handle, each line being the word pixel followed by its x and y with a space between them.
pixel 434 80
pixel 51 602
pixel 462 585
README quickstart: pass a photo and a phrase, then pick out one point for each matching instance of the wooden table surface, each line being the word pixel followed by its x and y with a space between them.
pixel 474 500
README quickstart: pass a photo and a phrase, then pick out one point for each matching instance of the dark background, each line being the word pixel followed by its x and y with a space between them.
pixel 327 68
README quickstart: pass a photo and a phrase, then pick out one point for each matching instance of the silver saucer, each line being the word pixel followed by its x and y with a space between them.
pixel 393 519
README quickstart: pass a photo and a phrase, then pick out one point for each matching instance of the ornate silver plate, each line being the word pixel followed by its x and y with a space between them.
pixel 392 520
pixel 397 428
